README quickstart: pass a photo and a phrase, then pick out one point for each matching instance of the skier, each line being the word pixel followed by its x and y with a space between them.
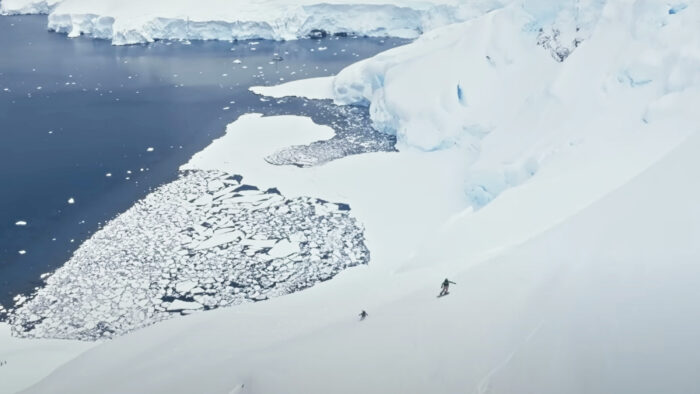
pixel 446 287
pixel 363 314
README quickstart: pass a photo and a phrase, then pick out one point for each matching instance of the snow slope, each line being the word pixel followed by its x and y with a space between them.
pixel 603 302
pixel 134 21
pixel 23 361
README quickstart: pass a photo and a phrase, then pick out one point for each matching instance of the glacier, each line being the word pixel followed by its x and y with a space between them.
pixel 495 79
pixel 133 21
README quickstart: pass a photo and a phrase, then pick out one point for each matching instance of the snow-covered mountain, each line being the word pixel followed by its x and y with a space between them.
pixel 546 161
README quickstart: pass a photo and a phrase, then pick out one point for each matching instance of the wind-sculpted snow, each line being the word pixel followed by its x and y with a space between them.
pixel 203 241
pixel 135 21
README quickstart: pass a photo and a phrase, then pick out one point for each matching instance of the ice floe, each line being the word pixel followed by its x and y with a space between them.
pixel 314 88
pixel 203 241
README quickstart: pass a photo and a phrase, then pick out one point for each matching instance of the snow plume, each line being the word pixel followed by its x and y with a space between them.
pixel 483 84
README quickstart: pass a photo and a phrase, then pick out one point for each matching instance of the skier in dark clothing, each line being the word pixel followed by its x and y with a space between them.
pixel 363 314
pixel 446 287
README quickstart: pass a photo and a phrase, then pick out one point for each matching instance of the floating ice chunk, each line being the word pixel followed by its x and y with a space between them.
pixel 19 299
pixel 150 149
pixel 22 251
pixel 179 305
pixel 220 239
pixel 237 61
pixel 71 200
pixel 297 237
pixel 215 185
pixel 259 243
pixel 185 286
pixel 313 88
pixel 20 223
pixel 204 199
pixel 109 174
pixel 284 248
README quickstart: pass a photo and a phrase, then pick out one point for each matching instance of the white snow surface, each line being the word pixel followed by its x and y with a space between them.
pixel 24 361
pixel 135 21
pixel 605 301
pixel 546 164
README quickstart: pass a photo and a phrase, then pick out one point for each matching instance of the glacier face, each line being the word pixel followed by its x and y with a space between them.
pixel 535 74
pixel 132 21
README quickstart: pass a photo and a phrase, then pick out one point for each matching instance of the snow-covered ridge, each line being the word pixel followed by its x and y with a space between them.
pixel 134 21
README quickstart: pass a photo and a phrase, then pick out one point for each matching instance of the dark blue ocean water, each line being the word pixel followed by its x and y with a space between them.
pixel 73 111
